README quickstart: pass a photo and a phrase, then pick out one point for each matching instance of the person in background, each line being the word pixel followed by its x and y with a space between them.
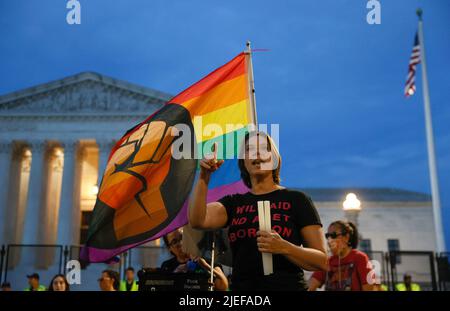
pixel 6 287
pixel 407 284
pixel 348 268
pixel 33 282
pixel 182 262
pixel 109 281
pixel 129 284
pixel 173 241
pixel 59 284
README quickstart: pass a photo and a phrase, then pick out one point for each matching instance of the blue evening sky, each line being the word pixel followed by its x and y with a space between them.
pixel 332 82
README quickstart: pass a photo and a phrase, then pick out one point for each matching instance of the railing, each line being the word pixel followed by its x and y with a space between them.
pixel 2 256
pixel 443 268
pixel 419 265
pixel 380 257
pixel 47 259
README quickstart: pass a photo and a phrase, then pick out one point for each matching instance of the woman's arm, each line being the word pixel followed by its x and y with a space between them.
pixel 313 257
pixel 202 215
pixel 221 281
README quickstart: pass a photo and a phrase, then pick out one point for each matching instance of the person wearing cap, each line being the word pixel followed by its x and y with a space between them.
pixel 407 285
pixel 33 282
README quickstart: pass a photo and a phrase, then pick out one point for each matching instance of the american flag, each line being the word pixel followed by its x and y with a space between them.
pixel 410 87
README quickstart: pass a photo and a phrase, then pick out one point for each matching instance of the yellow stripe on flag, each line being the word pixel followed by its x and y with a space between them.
pixel 221 121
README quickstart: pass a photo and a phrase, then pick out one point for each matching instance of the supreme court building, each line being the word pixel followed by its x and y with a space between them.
pixel 55 139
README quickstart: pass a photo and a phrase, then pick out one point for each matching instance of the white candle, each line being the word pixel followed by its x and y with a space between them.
pixel 265 224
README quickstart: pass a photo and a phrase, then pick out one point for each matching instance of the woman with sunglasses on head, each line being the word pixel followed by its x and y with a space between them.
pixel 348 268
pixel 296 240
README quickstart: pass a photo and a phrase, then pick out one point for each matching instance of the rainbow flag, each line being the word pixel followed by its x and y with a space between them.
pixel 145 188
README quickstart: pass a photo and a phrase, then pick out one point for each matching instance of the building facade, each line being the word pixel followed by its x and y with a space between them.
pixel 55 140
pixel 390 219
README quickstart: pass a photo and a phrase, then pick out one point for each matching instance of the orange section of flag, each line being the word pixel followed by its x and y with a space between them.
pixel 224 94
pixel 120 188
pixel 131 219
pixel 151 162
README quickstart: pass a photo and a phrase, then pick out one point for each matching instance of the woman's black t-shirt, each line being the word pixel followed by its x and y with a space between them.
pixel 290 210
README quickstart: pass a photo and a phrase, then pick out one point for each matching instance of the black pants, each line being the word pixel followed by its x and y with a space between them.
pixel 273 282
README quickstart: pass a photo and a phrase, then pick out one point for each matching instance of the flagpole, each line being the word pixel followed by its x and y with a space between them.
pixel 213 248
pixel 251 84
pixel 440 244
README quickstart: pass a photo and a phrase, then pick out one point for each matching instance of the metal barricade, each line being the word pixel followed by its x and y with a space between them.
pixel 91 272
pixel 24 259
pixel 380 258
pixel 443 270
pixel 419 265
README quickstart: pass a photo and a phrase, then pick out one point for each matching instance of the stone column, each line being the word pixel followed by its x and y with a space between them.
pixel 65 221
pixel 17 193
pixel 35 193
pixel 5 163
pixel 54 168
pixel 80 155
pixel 19 182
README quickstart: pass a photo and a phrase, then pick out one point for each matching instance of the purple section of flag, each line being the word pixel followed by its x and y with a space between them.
pixel 93 254
pixel 219 192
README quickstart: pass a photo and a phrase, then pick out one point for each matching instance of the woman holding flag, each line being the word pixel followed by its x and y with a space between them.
pixel 296 240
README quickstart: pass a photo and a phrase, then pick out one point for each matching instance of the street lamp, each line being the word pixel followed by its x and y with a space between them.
pixel 94 190
pixel 352 207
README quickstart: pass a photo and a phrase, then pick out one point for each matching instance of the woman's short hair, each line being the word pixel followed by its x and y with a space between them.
pixel 245 176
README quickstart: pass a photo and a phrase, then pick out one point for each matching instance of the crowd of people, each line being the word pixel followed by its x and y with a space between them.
pixel 108 281
pixel 347 268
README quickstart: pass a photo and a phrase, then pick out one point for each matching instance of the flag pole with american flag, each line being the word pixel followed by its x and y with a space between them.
pixel 418 56
pixel 414 60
